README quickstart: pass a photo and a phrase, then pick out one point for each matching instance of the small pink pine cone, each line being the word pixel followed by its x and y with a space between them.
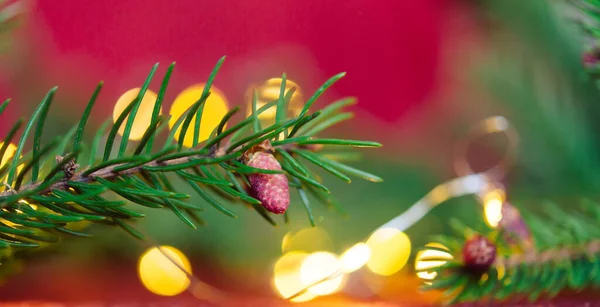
pixel 479 253
pixel 589 59
pixel 271 189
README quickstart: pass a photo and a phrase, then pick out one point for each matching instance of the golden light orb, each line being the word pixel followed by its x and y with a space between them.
pixel 286 277
pixel 160 275
pixel 143 117
pixel 269 91
pixel 215 108
pixel 428 259
pixel 318 266
pixel 308 240
pixel 390 250
pixel 355 257
pixel 492 205
pixel 7 158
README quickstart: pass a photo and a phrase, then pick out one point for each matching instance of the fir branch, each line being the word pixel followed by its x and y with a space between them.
pixel 72 187
pixel 566 256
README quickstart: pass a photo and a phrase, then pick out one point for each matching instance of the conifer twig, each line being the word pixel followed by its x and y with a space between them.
pixel 63 191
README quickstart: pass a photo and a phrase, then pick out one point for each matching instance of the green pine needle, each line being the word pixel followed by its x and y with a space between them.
pixel 86 115
pixel 40 110
pixel 9 136
pixel 158 104
pixel 4 105
pixel 66 192
pixel 134 110
pixel 320 91
pixel 37 139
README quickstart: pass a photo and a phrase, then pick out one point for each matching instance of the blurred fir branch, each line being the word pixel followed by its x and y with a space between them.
pixel 538 75
pixel 47 198
pixel 565 257
pixel 551 96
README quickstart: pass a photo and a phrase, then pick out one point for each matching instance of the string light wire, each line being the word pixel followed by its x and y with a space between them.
pixel 468 181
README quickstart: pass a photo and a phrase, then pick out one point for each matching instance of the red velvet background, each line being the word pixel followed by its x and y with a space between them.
pixel 390 48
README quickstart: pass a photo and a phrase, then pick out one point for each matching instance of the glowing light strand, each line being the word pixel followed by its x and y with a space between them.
pixel 468 182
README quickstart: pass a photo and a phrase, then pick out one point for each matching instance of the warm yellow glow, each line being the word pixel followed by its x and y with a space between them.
pixel 7 158
pixel 215 108
pixel 143 116
pixel 423 260
pixel 492 204
pixel 8 154
pixel 23 202
pixel 439 194
pixel 308 240
pixel 160 275
pixel 286 277
pixel 268 92
pixel 355 257
pixel 318 266
pixel 501 270
pixel 390 250
pixel 285 242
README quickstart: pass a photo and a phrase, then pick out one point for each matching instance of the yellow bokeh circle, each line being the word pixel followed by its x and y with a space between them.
pixel 160 275
pixel 8 156
pixel 214 110
pixel 310 239
pixel 321 270
pixel 429 259
pixel 286 277
pixel 355 257
pixel 269 91
pixel 143 117
pixel 492 204
pixel 390 250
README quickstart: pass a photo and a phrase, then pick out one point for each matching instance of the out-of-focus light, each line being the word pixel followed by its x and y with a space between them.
pixel 501 270
pixel 492 204
pixel 215 108
pixel 430 259
pixel 143 116
pixel 308 240
pixel 23 202
pixel 390 250
pixel 160 275
pixel 8 154
pixel 285 242
pixel 286 277
pixel 268 92
pixel 355 257
pixel 318 266
pixel 439 194
pixel 7 158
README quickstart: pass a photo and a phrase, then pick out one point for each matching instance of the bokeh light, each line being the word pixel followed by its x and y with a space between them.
pixel 318 266
pixel 269 91
pixel 215 108
pixel 143 117
pixel 355 257
pixel 7 158
pixel 492 204
pixel 390 250
pixel 286 277
pixel 428 259
pixel 308 240
pixel 160 275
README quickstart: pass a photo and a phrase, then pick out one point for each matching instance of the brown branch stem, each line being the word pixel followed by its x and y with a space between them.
pixel 109 172
pixel 551 255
